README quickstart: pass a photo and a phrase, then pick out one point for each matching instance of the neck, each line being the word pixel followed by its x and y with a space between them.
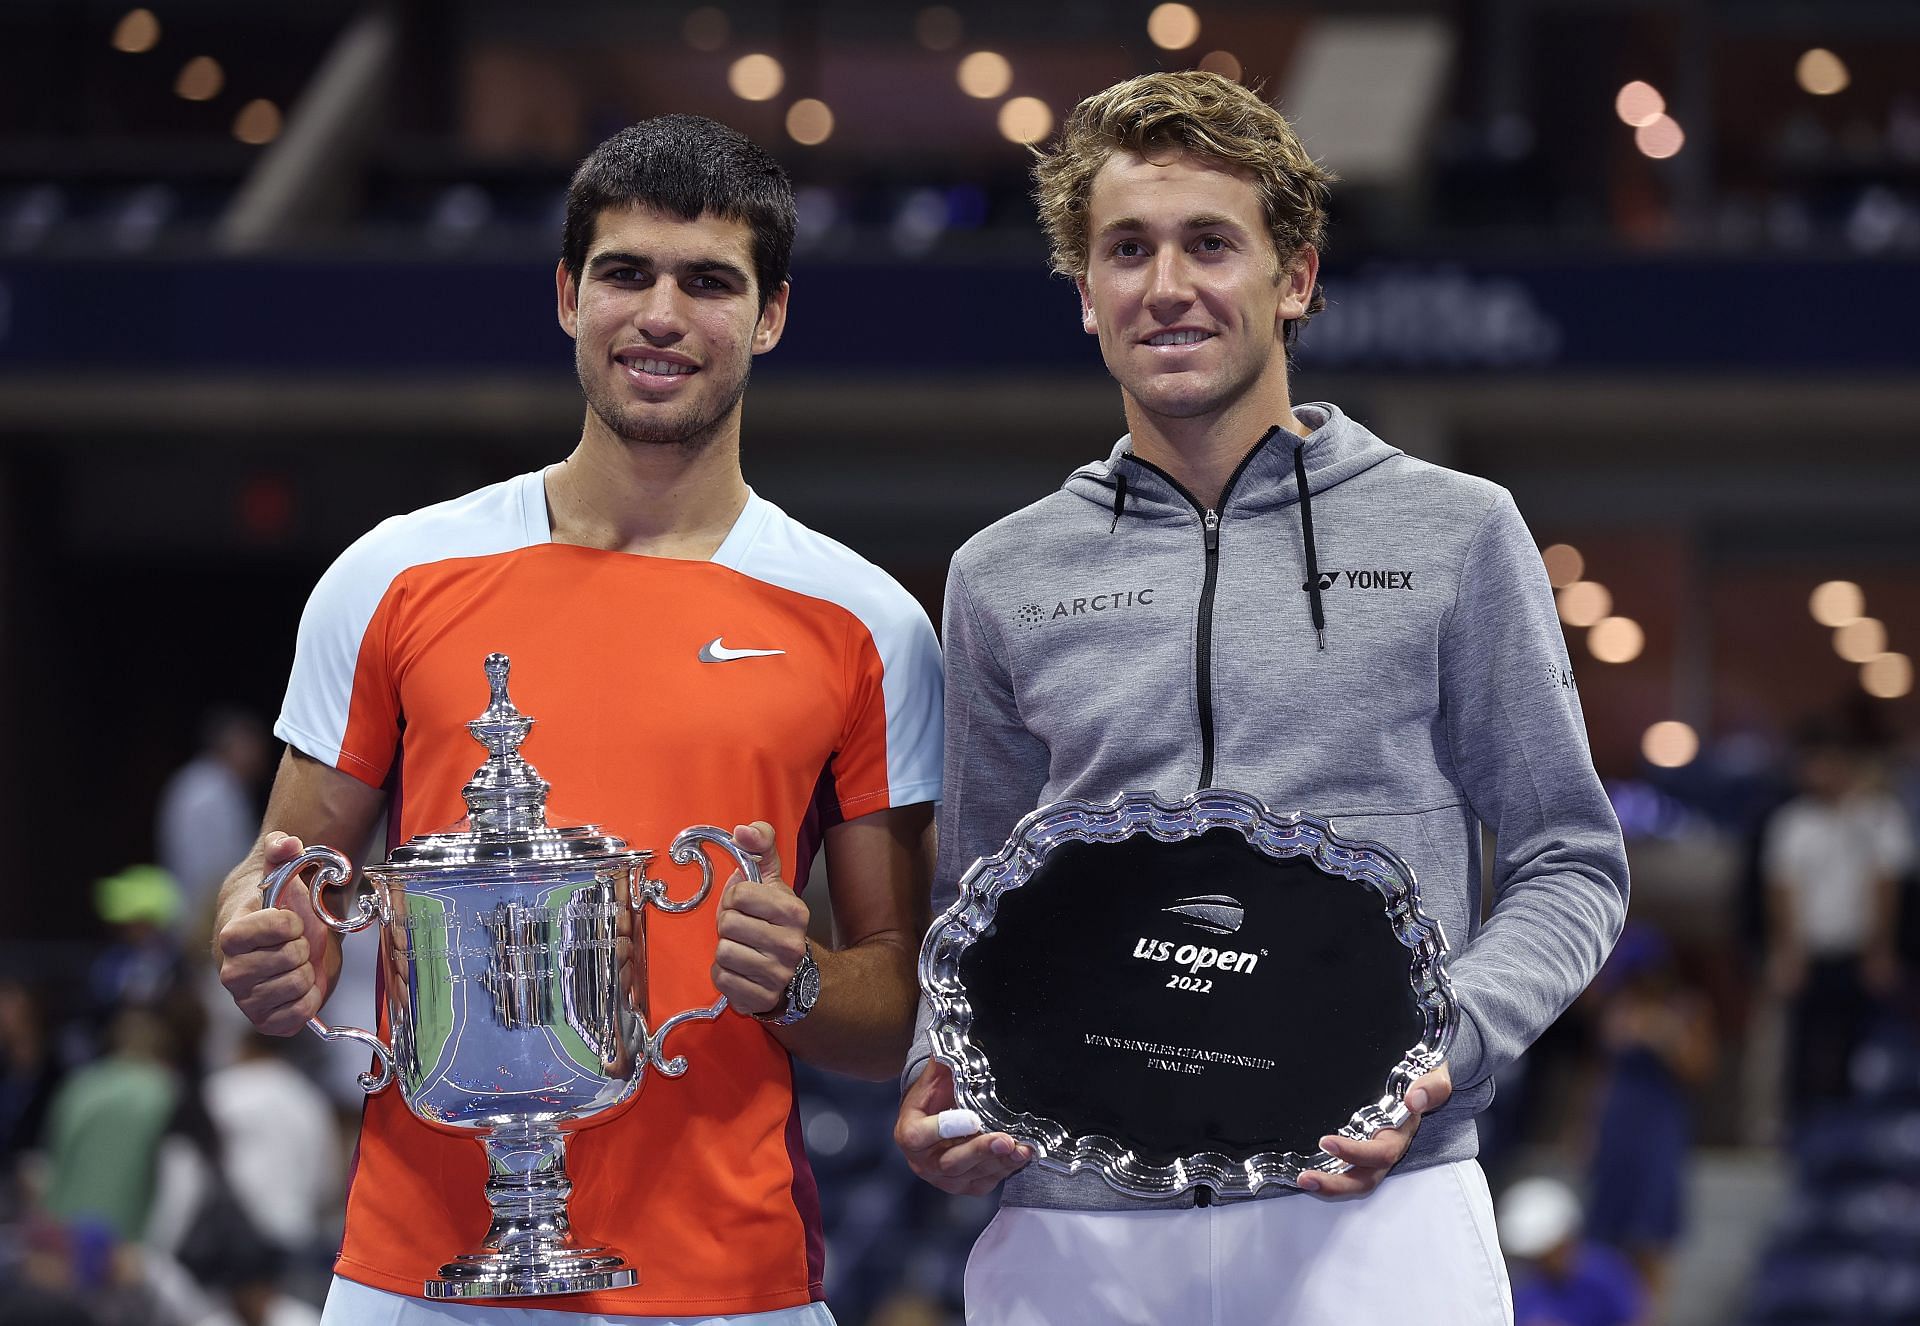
pixel 1202 452
pixel 656 499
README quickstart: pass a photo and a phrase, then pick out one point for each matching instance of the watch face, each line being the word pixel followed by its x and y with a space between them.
pixel 807 987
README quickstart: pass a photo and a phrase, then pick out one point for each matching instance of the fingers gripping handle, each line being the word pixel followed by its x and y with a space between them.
pixel 334 869
pixel 686 850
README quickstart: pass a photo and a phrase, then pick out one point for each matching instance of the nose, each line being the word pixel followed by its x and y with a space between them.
pixel 1170 290
pixel 658 313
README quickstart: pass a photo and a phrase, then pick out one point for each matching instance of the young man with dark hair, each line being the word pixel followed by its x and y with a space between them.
pixel 692 655
pixel 1335 627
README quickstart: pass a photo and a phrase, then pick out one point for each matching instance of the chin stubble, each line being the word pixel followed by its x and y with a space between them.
pixel 680 430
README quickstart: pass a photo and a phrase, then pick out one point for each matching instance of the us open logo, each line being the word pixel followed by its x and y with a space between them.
pixel 1215 913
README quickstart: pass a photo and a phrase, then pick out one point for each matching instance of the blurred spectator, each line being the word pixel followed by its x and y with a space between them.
pixel 1658 1034
pixel 141 963
pixel 1833 857
pixel 207 817
pixel 247 1277
pixel 27 1075
pixel 1559 1279
pixel 104 1128
pixel 280 1144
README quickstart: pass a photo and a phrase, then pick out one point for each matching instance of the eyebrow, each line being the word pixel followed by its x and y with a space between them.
pixel 600 262
pixel 1203 221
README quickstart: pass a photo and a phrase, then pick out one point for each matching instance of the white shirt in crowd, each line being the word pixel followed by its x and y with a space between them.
pixel 282 1148
pixel 1829 856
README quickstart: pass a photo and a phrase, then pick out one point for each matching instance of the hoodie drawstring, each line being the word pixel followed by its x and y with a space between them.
pixel 1119 500
pixel 1313 553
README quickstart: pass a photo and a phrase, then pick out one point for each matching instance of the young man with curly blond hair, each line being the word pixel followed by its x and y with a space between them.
pixel 1334 627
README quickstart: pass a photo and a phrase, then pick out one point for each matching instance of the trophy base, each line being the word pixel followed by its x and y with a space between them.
pixel 561 1271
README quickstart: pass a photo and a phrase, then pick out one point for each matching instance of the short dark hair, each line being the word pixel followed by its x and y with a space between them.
pixel 685 165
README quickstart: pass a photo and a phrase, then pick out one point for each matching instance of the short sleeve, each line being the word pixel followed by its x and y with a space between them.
pixel 342 705
pixel 890 749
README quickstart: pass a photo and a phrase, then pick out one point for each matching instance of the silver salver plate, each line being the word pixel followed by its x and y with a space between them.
pixel 1176 994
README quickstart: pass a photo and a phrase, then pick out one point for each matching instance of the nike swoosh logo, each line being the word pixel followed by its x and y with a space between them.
pixel 715 652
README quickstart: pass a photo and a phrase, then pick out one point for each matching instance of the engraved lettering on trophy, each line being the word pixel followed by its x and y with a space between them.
pixel 1168 1066
pixel 520 975
pixel 1186 1053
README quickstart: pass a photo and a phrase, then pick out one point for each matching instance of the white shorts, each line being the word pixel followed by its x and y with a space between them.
pixel 1419 1247
pixel 350 1303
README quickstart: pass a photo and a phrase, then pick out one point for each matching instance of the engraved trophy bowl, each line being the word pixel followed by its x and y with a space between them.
pixel 514 958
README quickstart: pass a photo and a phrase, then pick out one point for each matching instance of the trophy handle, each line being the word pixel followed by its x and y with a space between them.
pixel 334 869
pixel 685 850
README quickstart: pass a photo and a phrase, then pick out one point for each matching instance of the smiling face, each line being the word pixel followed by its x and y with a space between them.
pixel 1183 286
pixel 666 320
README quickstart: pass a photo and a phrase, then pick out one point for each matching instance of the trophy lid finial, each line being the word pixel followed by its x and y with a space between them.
pixel 506 794
pixel 506 824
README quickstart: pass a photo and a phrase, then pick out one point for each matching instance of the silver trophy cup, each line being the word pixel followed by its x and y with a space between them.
pixel 515 961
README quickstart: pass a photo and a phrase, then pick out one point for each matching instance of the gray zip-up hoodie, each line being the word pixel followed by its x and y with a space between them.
pixel 1115 636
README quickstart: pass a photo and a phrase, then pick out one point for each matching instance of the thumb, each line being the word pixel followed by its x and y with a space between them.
pixel 932 1091
pixel 282 848
pixel 1431 1092
pixel 757 839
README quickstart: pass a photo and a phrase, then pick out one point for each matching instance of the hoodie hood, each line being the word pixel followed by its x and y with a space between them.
pixel 1334 451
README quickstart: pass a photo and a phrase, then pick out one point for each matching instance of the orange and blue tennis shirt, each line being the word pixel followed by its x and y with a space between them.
pixel 786 679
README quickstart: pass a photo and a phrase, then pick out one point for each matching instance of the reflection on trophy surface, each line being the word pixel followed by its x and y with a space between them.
pixel 514 956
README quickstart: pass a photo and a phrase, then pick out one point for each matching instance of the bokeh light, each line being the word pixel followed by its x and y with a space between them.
pixel 1639 103
pixel 1584 602
pixel 1173 27
pixel 1860 639
pixel 257 123
pixel 1837 602
pixel 1887 676
pixel 1564 564
pixel 1821 72
pixel 985 74
pixel 1660 138
pixel 1224 63
pixel 809 121
pixel 201 79
pixel 1669 745
pixel 1616 640
pixel 138 31
pixel 756 77
pixel 1025 120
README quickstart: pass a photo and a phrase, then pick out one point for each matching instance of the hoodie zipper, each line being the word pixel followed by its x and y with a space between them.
pixel 1203 653
pixel 1210 543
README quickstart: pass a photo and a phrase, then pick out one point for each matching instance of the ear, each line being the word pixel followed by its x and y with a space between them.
pixel 1298 282
pixel 1089 323
pixel 773 320
pixel 567 296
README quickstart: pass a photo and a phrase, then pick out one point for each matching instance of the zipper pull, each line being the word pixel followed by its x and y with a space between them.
pixel 1210 527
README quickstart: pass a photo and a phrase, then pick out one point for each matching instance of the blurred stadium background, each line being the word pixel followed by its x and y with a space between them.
pixel 270 273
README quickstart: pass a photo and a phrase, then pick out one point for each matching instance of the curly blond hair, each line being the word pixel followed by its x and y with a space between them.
pixel 1192 111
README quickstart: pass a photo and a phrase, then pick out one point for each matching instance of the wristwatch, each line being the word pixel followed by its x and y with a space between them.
pixel 803 992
